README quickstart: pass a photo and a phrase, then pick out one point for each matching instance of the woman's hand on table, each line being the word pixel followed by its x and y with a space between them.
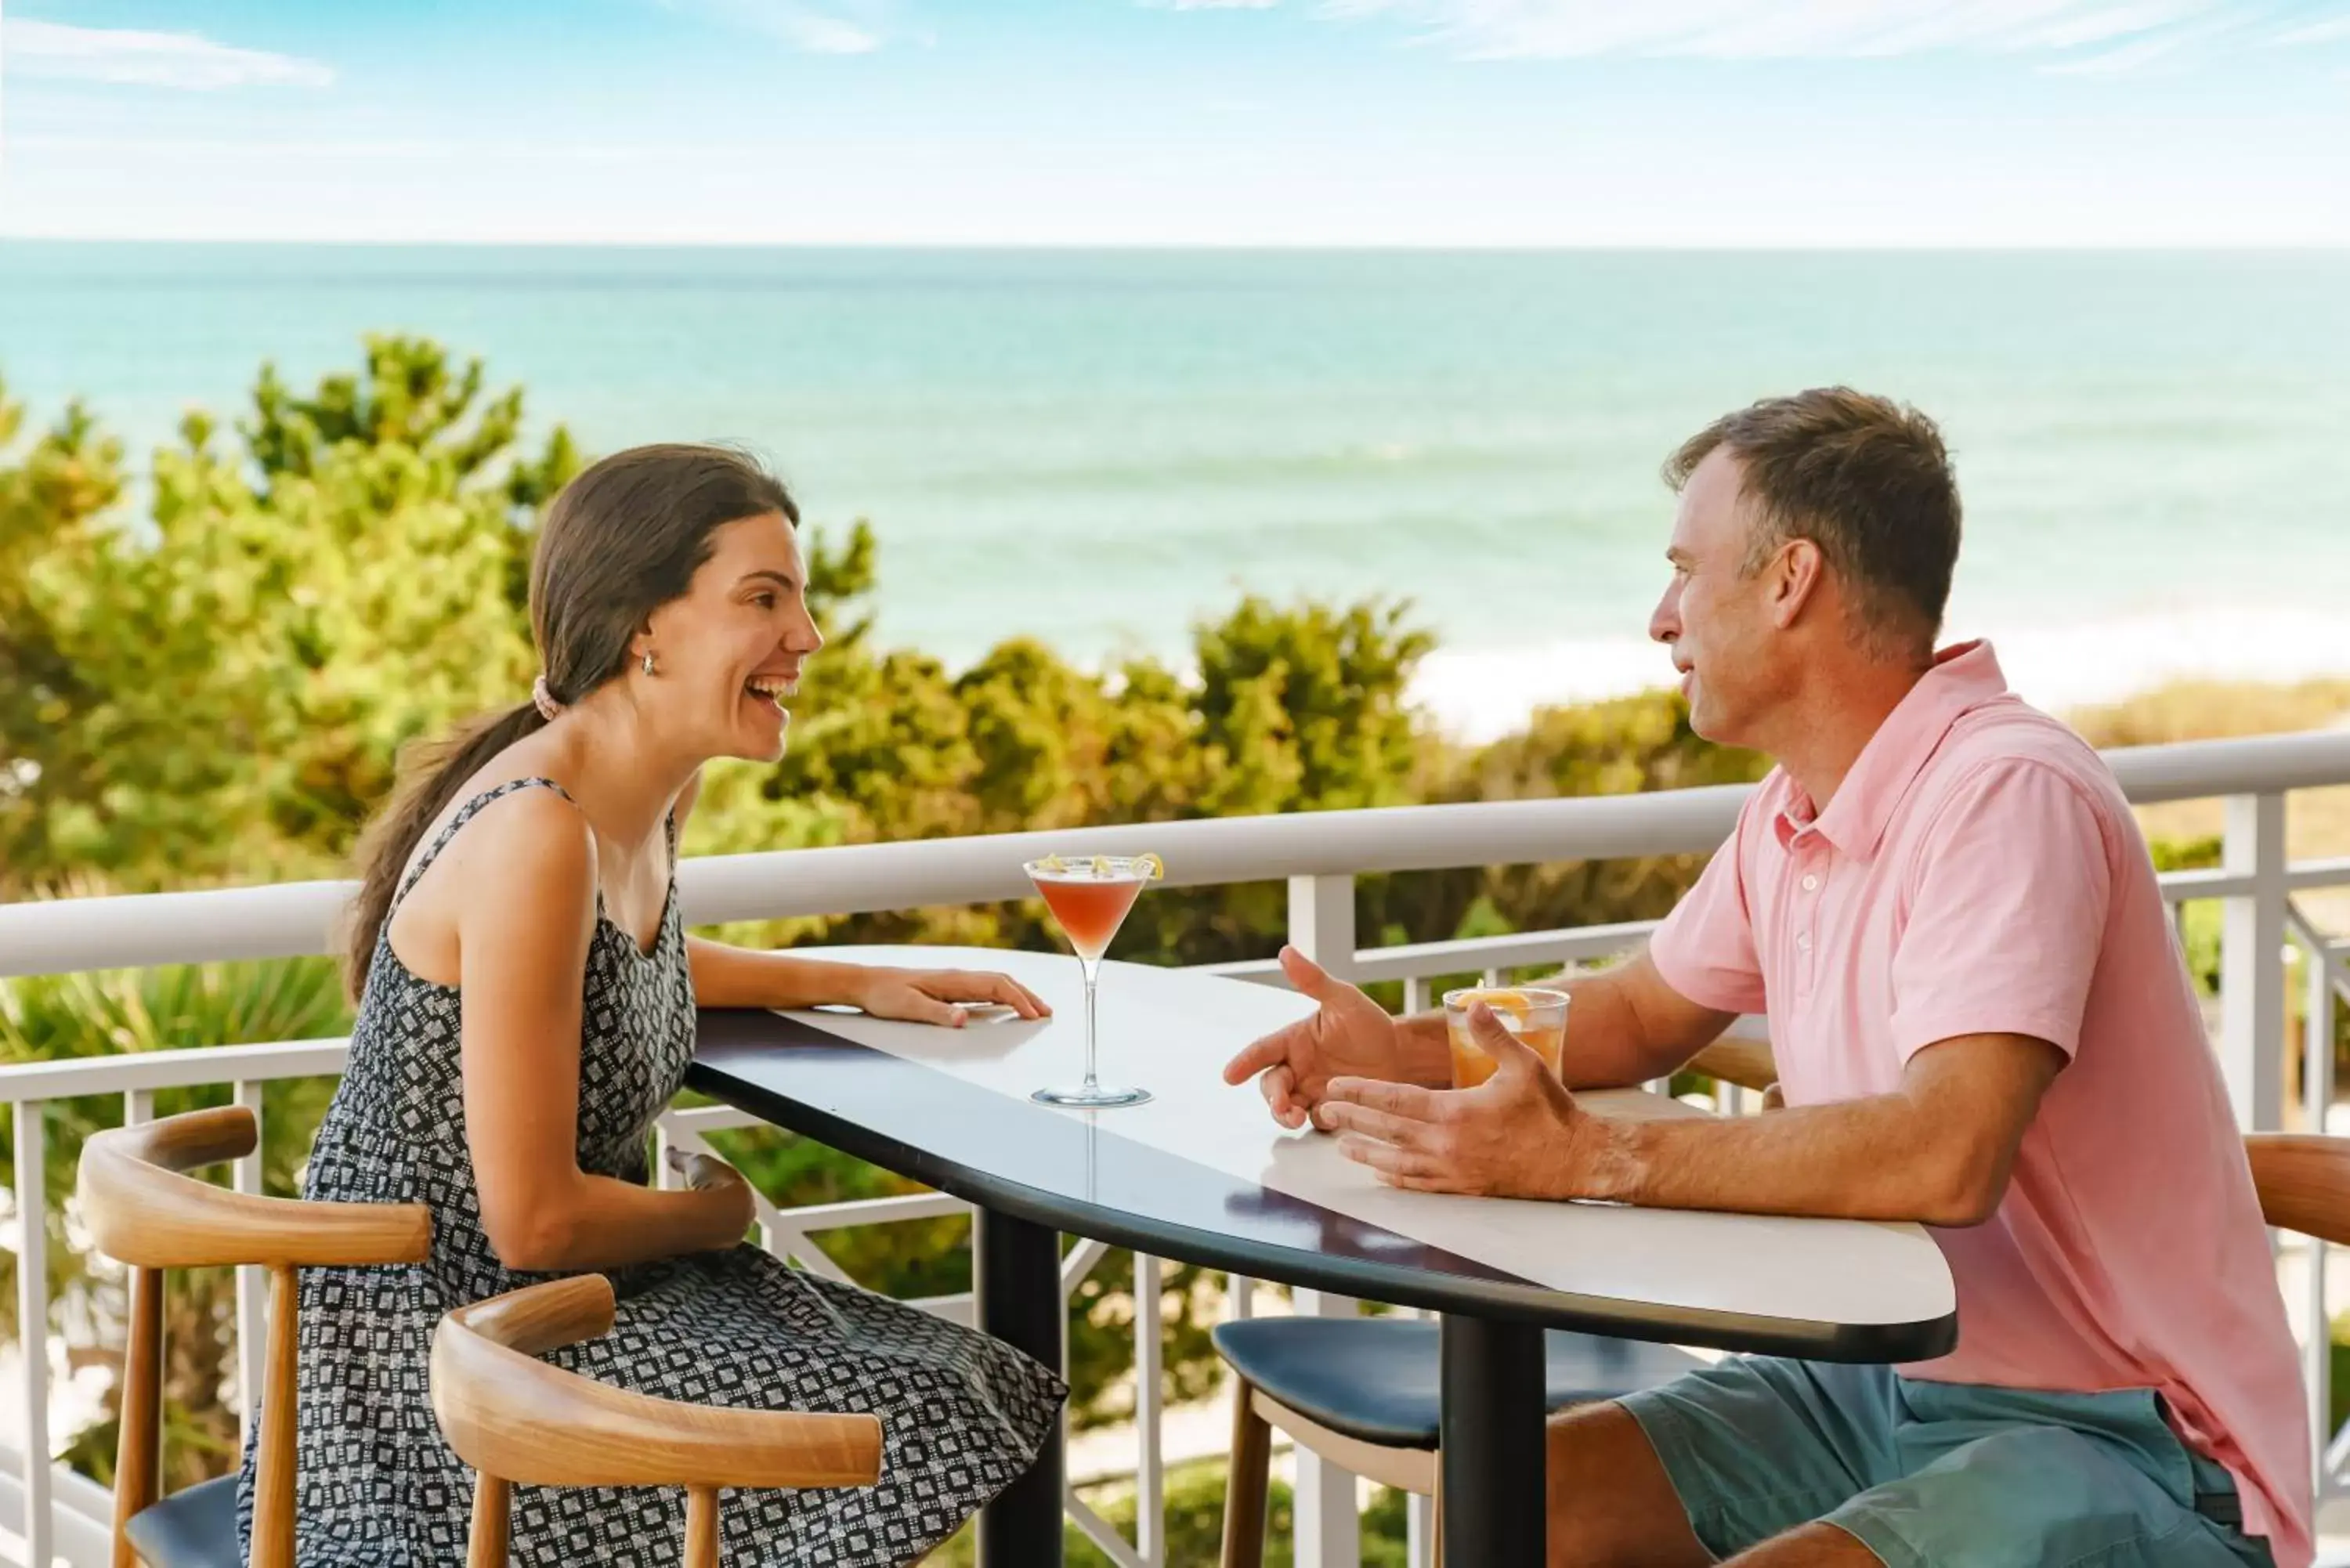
pixel 1349 1035
pixel 1519 1134
pixel 943 996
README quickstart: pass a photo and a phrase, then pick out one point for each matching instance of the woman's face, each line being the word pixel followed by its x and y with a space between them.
pixel 727 656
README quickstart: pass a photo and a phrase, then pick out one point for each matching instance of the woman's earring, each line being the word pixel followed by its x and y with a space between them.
pixel 648 661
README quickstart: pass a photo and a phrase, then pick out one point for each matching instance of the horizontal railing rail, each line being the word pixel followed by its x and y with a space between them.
pixel 293 919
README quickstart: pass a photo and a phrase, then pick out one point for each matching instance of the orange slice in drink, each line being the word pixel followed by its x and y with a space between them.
pixel 1515 1003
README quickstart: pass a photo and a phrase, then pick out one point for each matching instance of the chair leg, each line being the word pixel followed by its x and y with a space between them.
pixel 273 1480
pixel 1247 1483
pixel 139 1460
pixel 1436 1525
pixel 492 1517
pixel 702 1527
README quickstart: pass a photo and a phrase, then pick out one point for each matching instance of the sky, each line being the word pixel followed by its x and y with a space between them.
pixel 1187 122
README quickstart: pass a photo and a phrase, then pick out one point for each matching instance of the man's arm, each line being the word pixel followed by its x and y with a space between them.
pixel 1937 1149
pixel 1627 1025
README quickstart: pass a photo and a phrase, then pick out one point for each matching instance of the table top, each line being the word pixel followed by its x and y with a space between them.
pixel 1203 1174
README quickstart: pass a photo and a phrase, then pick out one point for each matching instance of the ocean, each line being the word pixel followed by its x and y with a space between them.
pixel 1100 448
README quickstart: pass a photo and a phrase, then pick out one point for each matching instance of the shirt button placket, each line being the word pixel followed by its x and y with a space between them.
pixel 1807 917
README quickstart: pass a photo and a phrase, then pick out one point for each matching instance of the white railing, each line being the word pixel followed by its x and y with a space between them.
pixel 1320 855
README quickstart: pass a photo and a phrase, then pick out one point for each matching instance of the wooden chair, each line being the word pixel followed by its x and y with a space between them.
pixel 143 1211
pixel 2303 1181
pixel 518 1419
pixel 1363 1393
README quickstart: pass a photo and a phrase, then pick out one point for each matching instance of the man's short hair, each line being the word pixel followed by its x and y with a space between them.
pixel 1866 479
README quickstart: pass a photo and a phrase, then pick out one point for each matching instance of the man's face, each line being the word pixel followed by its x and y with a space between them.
pixel 1716 619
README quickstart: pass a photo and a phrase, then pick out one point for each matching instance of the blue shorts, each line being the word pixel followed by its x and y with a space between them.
pixel 1940 1475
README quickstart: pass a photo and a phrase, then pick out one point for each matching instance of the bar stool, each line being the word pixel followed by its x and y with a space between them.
pixel 144 1211
pixel 1365 1393
pixel 518 1419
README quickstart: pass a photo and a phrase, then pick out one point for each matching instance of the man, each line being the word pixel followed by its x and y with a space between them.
pixel 1981 1024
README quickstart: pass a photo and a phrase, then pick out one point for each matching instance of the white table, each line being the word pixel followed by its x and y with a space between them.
pixel 1202 1175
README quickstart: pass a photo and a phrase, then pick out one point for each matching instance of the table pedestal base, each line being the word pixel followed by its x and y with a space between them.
pixel 1016 1269
pixel 1493 1442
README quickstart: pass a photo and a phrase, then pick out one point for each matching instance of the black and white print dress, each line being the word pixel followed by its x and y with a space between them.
pixel 962 1415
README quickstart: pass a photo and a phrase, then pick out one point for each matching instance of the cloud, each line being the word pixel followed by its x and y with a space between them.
pixel 2336 31
pixel 837 28
pixel 2113 62
pixel 183 61
pixel 2080 35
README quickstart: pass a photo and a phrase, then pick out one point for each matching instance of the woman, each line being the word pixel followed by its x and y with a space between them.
pixel 527 993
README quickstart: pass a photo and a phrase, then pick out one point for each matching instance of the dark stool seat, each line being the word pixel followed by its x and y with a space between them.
pixel 191 1529
pixel 1377 1380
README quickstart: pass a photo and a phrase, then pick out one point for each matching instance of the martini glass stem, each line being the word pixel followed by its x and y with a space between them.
pixel 1092 968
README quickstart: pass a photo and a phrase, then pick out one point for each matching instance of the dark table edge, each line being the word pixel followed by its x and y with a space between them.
pixel 1493 1301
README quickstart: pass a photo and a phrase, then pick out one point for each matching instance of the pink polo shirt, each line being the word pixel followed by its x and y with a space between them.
pixel 1980 872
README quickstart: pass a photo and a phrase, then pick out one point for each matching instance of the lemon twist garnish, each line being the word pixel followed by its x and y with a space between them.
pixel 1150 865
pixel 1101 864
pixel 1052 863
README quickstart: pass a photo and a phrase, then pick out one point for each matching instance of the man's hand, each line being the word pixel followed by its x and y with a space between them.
pixel 1349 1035
pixel 1517 1135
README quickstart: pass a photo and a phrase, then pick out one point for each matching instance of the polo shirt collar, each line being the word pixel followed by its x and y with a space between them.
pixel 1963 677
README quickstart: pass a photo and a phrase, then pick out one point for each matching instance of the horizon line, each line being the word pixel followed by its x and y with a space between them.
pixel 1455 247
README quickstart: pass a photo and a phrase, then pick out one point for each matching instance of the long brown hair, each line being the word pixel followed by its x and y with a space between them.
pixel 623 538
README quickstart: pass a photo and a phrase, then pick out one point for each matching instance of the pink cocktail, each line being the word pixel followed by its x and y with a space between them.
pixel 1089 895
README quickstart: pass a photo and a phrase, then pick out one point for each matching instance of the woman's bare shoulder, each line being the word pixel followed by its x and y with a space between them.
pixel 530 846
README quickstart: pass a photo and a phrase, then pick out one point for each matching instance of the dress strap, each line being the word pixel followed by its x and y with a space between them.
pixel 466 814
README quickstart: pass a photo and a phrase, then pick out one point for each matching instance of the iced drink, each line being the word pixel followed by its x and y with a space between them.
pixel 1538 1018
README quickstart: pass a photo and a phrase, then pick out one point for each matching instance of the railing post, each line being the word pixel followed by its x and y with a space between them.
pixel 2318 1093
pixel 33 1321
pixel 1322 921
pixel 1330 1519
pixel 1419 1530
pixel 2252 964
pixel 1150 1414
pixel 251 1282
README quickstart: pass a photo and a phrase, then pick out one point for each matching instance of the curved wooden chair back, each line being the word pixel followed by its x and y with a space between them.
pixel 2305 1182
pixel 143 1210
pixel 1738 1059
pixel 518 1419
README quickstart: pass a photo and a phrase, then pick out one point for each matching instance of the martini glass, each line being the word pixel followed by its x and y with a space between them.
pixel 1089 895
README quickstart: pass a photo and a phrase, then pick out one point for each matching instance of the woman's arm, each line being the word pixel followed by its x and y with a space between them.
pixel 528 908
pixel 727 976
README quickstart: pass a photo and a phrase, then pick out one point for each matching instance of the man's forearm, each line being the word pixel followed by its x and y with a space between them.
pixel 1871 1158
pixel 1608 1046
